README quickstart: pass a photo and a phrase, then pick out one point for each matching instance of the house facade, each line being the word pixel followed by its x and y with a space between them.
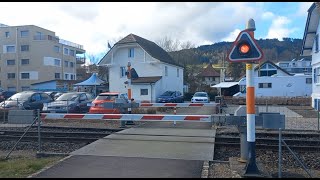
pixel 310 47
pixel 271 80
pixel 209 76
pixel 153 70
pixel 31 54
pixel 295 66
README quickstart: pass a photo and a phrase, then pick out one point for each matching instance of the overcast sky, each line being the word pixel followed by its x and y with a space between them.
pixel 94 24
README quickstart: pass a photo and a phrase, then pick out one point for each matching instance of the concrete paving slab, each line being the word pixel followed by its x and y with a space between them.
pixel 170 132
pixel 160 138
pixel 122 167
pixel 148 149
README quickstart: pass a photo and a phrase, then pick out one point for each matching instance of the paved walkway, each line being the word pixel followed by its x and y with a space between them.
pixel 143 152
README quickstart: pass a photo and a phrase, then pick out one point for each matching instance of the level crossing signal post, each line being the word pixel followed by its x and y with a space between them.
pixel 245 49
pixel 129 92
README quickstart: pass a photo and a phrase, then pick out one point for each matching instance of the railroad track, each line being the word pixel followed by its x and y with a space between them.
pixel 276 135
pixel 55 136
pixel 272 143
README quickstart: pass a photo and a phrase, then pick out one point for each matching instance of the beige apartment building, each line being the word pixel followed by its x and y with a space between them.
pixel 31 54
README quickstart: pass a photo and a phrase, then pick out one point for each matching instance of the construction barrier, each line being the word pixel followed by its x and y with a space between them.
pixel 128 117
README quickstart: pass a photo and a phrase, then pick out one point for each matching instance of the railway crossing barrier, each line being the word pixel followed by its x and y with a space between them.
pixel 128 117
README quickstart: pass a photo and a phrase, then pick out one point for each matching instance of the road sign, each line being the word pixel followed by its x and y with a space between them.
pixel 245 49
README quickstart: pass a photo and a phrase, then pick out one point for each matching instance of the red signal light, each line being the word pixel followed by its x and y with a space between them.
pixel 244 48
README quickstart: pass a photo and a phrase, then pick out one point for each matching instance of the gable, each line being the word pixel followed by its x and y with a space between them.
pixel 150 47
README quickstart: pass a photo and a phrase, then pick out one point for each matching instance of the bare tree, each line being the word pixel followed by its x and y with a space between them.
pixel 168 44
pixel 187 45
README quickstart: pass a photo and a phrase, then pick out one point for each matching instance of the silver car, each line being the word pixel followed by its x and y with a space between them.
pixel 200 97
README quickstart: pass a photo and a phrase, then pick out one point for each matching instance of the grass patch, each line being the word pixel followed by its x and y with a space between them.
pixel 22 167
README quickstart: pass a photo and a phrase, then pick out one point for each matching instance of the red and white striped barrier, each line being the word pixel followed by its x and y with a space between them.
pixel 177 104
pixel 129 117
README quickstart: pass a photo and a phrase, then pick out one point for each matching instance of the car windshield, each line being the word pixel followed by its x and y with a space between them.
pixel 167 93
pixel 106 97
pixel 67 97
pixel 199 94
pixel 20 97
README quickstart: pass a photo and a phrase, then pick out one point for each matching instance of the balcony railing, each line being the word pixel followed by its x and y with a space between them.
pixel 45 37
pixel 80 60
pixel 68 43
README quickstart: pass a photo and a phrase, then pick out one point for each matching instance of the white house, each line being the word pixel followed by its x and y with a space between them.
pixel 271 80
pixel 295 66
pixel 153 69
pixel 310 47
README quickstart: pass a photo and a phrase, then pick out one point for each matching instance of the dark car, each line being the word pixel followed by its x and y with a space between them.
pixel 52 93
pixel 29 100
pixel 4 95
pixel 170 97
pixel 72 102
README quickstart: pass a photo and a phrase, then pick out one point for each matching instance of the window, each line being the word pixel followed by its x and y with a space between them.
pixel 24 47
pixel 11 62
pixel 24 61
pixel 36 97
pixel 316 75
pixel 308 80
pixel 24 33
pixel 177 72
pixel 7 34
pixel 66 76
pixel 57 75
pixel 71 76
pixel 71 52
pixel 122 71
pixel 143 91
pixel 57 62
pixel 316 39
pixel 131 52
pixel 267 70
pixel 66 51
pixel 166 70
pixel 56 49
pixel 66 63
pixel 25 88
pixel 71 64
pixel 45 96
pixel 265 85
pixel 25 76
pixel 10 49
pixel 11 88
pixel 11 75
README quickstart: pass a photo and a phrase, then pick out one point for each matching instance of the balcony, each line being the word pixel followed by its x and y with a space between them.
pixel 45 37
pixel 80 60
pixel 68 43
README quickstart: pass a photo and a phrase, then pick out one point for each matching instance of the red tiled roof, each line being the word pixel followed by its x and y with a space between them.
pixel 209 72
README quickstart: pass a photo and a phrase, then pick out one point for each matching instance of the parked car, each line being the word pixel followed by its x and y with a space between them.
pixel 29 100
pixel 71 102
pixel 200 97
pixel 170 97
pixel 4 95
pixel 97 106
pixel 52 93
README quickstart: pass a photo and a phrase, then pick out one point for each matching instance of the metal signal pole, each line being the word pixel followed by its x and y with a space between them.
pixel 251 167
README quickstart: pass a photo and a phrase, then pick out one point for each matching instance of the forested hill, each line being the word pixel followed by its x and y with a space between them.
pixel 274 50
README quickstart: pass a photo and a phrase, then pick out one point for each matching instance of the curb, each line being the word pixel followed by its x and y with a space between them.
pixel 205 169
